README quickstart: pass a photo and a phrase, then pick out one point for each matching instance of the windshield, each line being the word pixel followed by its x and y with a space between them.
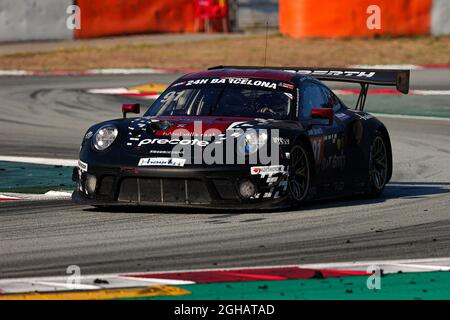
pixel 230 101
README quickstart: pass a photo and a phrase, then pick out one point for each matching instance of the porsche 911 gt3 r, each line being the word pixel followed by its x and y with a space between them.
pixel 241 137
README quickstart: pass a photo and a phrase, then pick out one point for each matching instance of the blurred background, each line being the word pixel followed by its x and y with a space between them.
pixel 46 19
pixel 74 34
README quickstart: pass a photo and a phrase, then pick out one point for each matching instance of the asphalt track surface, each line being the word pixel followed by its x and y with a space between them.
pixel 47 116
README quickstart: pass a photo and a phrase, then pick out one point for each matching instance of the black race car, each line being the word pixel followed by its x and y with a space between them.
pixel 241 137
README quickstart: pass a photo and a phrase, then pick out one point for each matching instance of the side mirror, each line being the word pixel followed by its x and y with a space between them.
pixel 323 113
pixel 130 108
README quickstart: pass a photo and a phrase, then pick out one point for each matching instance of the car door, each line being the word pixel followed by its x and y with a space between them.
pixel 327 139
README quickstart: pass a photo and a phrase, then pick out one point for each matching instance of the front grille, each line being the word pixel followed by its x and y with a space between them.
pixel 106 185
pixel 226 189
pixel 164 191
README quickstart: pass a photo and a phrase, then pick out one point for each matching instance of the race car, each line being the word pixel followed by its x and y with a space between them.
pixel 239 138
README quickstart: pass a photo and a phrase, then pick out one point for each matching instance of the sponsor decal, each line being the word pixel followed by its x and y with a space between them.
pixel 286 85
pixel 267 170
pixel 168 152
pixel 331 137
pixel 83 166
pixel 238 81
pixel 365 116
pixel 170 162
pixel 342 116
pixel 280 140
pixel 360 74
pixel 315 131
pixel 340 143
pixel 333 162
pixel 317 144
pixel 88 135
pixel 193 142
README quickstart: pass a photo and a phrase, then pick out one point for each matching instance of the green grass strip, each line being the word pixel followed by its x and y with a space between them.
pixel 401 286
pixel 34 178
pixel 411 105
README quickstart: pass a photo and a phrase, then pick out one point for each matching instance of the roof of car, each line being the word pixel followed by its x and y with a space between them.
pixel 277 75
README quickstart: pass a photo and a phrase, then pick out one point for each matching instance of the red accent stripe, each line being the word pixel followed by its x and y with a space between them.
pixel 8 199
pixel 250 274
pixel 141 94
pixel 375 91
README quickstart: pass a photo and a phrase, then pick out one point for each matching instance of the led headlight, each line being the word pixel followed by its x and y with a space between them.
pixel 104 137
pixel 254 140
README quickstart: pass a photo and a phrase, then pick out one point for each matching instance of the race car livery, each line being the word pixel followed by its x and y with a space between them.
pixel 241 137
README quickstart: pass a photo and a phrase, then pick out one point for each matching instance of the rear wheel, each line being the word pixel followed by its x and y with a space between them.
pixel 299 174
pixel 378 166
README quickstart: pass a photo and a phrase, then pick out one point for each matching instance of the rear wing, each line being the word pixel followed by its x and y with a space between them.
pixel 365 77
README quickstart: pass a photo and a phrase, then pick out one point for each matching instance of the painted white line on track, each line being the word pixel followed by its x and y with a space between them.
pixel 422 266
pixel 345 92
pixel 112 91
pixel 13 73
pixel 160 281
pixel 402 116
pixel 431 92
pixel 116 71
pixel 50 195
pixel 66 285
pixel 45 161
pixel 444 262
pixel 402 66
pixel 128 71
pixel 388 66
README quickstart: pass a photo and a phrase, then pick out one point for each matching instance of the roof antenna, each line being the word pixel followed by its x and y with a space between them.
pixel 267 36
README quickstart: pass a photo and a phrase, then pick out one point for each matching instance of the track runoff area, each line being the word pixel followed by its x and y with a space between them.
pixel 31 178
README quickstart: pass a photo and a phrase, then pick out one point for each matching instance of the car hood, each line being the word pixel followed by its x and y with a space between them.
pixel 162 136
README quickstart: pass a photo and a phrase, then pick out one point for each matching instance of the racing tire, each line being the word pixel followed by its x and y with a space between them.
pixel 299 182
pixel 378 166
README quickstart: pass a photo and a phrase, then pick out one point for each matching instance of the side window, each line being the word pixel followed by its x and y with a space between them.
pixel 312 96
pixel 333 101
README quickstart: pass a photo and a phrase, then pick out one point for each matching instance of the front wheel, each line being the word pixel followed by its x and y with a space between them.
pixel 299 174
pixel 378 166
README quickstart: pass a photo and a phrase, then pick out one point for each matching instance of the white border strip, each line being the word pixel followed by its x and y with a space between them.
pixel 128 71
pixel 92 72
pixel 402 116
pixel 388 66
pixel 345 92
pixel 46 161
pixel 50 195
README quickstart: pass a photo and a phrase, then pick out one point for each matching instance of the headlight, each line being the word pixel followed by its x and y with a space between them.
pixel 254 140
pixel 104 137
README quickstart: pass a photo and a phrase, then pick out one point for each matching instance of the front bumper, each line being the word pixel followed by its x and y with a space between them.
pixel 210 187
